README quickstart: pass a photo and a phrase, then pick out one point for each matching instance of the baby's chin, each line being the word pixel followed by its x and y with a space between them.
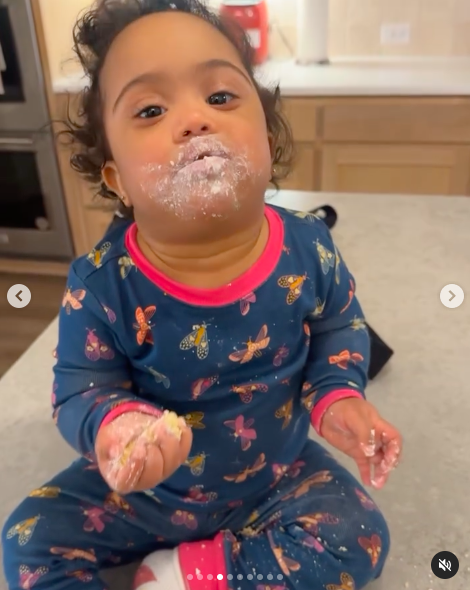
pixel 210 198
pixel 210 202
pixel 212 189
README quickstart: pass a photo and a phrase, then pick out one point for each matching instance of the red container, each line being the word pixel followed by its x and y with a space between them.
pixel 252 15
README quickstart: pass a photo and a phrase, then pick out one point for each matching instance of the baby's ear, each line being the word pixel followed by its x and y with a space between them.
pixel 112 179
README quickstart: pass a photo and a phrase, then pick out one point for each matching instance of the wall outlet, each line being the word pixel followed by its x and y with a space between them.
pixel 395 34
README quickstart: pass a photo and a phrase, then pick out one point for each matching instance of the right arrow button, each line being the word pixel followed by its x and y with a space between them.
pixel 452 296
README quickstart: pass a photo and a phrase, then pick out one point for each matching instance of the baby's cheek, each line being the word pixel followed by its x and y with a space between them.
pixel 261 162
pixel 142 156
pixel 259 149
pixel 141 180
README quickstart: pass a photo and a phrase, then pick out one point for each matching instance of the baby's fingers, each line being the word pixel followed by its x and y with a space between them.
pixel 153 471
pixel 388 463
pixel 392 453
pixel 123 474
pixel 363 465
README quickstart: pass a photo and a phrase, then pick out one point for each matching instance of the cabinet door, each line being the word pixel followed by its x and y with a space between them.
pixel 302 177
pixel 302 115
pixel 88 216
pixel 403 169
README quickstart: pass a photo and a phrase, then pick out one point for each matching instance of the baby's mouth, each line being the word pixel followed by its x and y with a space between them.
pixel 202 149
pixel 203 158
pixel 206 158
pixel 202 161
pixel 205 165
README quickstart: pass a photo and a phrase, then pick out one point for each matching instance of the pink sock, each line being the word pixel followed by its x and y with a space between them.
pixel 203 564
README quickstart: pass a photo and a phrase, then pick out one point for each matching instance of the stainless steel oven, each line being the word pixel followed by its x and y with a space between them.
pixel 33 220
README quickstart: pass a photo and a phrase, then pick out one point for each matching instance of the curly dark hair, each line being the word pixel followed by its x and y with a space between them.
pixel 93 36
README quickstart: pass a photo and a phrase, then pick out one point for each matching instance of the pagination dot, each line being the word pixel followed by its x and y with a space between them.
pixel 200 577
pixel 230 577
pixel 210 576
pixel 190 576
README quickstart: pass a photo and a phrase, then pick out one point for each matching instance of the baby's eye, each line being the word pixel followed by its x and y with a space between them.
pixel 150 112
pixel 220 98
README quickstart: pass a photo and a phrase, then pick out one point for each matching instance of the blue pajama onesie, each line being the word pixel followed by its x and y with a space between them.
pixel 251 366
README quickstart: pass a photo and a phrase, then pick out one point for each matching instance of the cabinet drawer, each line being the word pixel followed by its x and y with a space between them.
pixel 302 116
pixel 406 169
pixel 398 121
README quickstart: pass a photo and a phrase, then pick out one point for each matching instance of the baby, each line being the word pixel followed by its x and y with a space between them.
pixel 200 340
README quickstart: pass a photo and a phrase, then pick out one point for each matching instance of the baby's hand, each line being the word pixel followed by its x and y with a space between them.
pixel 137 451
pixel 355 427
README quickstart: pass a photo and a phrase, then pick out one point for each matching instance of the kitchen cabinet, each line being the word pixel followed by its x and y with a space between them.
pixel 303 176
pixel 304 118
pixel 381 145
pixel 302 114
pixel 396 120
pixel 89 215
pixel 398 169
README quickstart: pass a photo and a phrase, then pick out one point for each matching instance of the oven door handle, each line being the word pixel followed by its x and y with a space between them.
pixel 16 141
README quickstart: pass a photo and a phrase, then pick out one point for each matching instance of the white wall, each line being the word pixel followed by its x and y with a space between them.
pixel 60 15
pixel 438 28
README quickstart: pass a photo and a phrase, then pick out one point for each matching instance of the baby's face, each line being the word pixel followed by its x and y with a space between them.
pixel 184 122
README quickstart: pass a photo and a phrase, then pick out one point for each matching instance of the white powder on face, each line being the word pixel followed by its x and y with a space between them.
pixel 203 180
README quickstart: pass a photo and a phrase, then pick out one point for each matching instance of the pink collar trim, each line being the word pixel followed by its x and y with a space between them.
pixel 240 288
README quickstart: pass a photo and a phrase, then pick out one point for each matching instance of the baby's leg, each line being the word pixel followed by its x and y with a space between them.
pixel 62 534
pixel 317 529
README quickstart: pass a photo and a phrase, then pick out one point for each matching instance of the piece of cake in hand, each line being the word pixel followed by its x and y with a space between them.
pixel 173 423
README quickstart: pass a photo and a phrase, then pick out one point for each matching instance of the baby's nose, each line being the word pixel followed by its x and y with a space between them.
pixel 195 123
pixel 196 129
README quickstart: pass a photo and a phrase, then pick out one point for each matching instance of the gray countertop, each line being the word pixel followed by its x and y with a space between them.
pixel 349 77
pixel 402 251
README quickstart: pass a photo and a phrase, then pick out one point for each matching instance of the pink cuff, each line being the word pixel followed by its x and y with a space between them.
pixel 130 407
pixel 203 564
pixel 322 406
